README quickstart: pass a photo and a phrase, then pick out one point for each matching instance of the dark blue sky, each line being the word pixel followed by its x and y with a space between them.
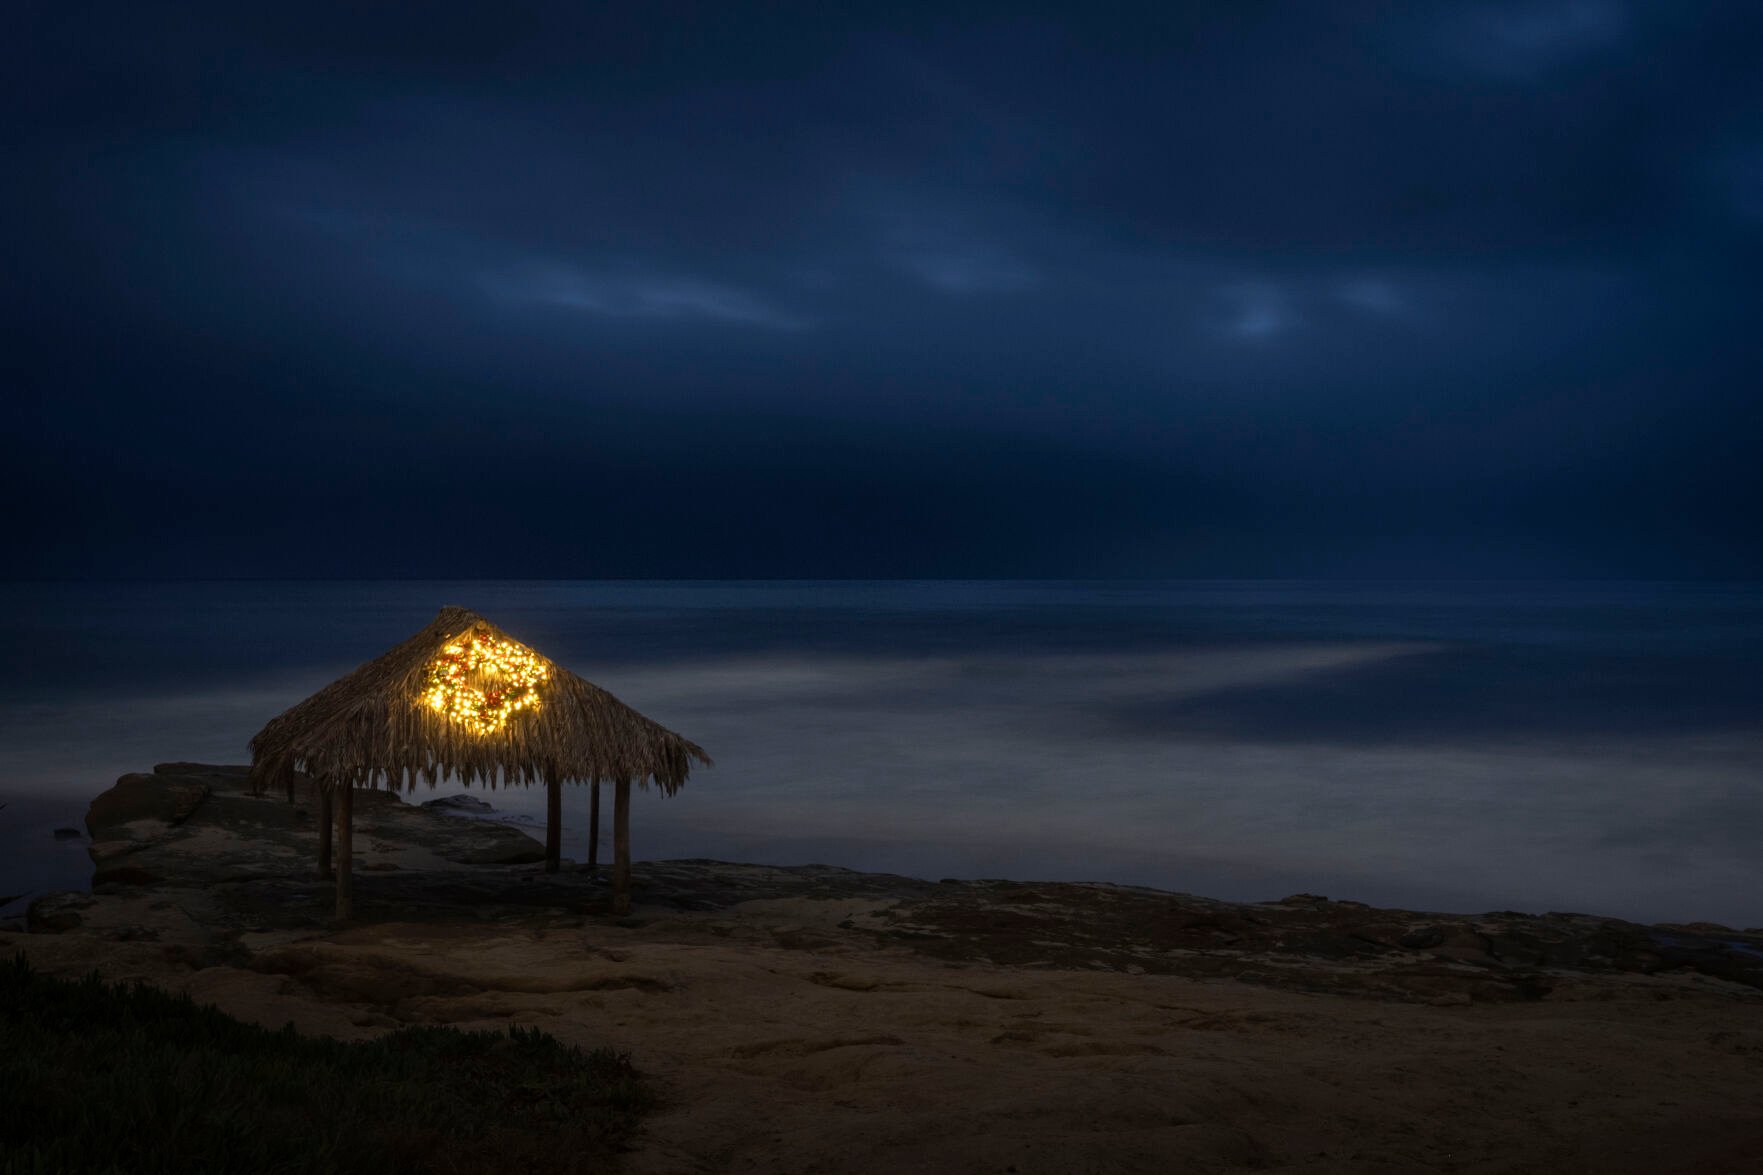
pixel 1377 289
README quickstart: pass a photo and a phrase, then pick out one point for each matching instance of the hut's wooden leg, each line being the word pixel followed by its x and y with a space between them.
pixel 326 827
pixel 594 828
pixel 553 824
pixel 345 850
pixel 621 848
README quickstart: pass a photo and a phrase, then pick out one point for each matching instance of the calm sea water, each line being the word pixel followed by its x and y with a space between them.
pixel 1593 747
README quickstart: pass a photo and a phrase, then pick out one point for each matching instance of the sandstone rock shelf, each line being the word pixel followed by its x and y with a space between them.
pixel 191 845
pixel 810 1018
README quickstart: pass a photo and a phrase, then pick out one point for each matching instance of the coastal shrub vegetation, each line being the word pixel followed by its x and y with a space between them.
pixel 102 1077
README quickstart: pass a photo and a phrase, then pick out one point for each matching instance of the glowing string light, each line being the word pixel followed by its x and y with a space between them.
pixel 481 680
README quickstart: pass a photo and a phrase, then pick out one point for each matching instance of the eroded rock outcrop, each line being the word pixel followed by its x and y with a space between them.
pixel 187 856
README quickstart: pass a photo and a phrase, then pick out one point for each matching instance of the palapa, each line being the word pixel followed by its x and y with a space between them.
pixel 462 698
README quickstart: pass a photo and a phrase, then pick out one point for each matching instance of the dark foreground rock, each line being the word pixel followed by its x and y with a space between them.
pixel 1309 943
pixel 188 856
pixel 460 803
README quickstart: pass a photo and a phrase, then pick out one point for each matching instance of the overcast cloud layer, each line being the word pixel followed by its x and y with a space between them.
pixel 1428 289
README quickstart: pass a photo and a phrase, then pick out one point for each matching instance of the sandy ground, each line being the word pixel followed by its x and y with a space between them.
pixel 850 1058
pixel 868 1024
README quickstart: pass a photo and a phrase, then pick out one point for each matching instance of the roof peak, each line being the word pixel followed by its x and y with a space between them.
pixel 375 721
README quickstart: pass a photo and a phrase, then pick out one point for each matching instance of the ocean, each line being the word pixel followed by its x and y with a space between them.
pixel 1595 747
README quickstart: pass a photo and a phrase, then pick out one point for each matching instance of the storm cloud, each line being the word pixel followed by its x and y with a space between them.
pixel 1439 289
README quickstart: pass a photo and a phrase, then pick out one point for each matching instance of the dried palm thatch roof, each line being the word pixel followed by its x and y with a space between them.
pixel 392 721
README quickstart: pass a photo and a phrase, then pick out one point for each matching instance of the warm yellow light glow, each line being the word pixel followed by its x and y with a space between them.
pixel 454 683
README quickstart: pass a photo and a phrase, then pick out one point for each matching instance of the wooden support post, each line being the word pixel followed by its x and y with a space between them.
pixel 553 822
pixel 345 850
pixel 621 848
pixel 326 827
pixel 594 828
pixel 290 785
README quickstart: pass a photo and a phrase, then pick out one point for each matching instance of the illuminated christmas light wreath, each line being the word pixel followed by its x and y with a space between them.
pixel 480 680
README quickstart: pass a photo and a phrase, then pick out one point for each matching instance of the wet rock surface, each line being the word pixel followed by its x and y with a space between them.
pixel 187 856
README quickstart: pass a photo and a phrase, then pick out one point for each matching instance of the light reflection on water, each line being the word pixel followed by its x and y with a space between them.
pixel 1591 747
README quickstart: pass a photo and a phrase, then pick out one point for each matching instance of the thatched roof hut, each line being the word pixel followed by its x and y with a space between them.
pixel 463 698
